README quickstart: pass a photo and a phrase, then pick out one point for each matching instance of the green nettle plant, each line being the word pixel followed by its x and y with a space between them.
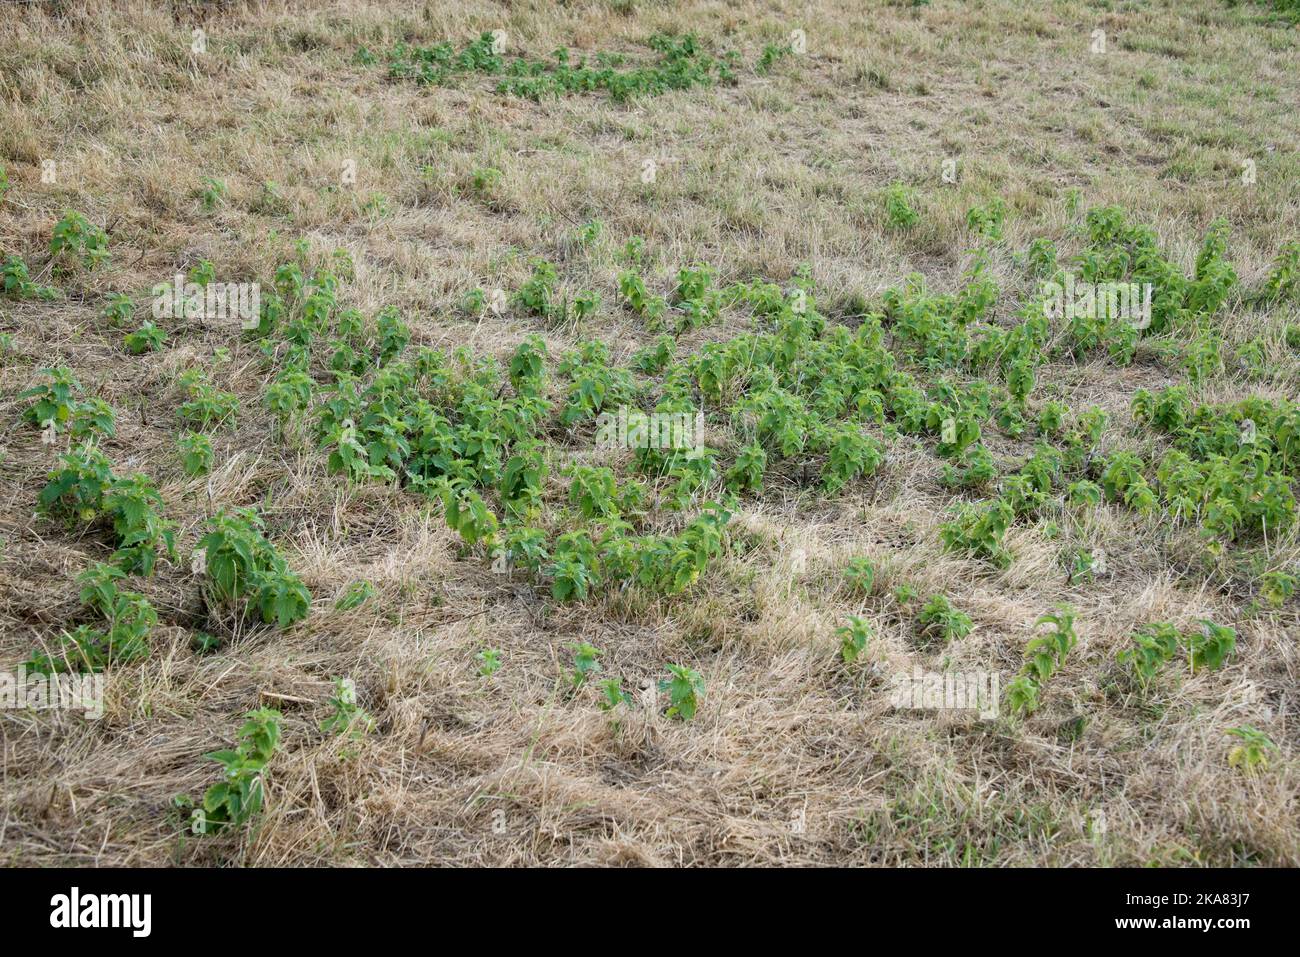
pixel 16 281
pixel 612 694
pixel 80 239
pixel 1210 647
pixel 485 180
pixel 524 478
pixel 1168 411
pixel 977 469
pixel 347 717
pixel 208 407
pixel 850 454
pixel 212 192
pixel 241 566
pixel 860 575
pixel 91 417
pixel 683 63
pixel 288 395
pixel 128 616
pixel 584 663
pixel 76 488
pixel 746 472
pixel 772 53
pixel 1252 754
pixel 853 638
pixel 119 310
pixel 1051 417
pixel 1153 645
pixel 350 457
pixel 634 251
pixel 52 401
pixel 905 594
pixel 898 206
pixel 354 596
pixel 474 302
pixel 203 643
pixel 988 220
pixel 574 569
pixel 585 305
pixel 148 338
pixel 1156 644
pixel 1084 566
pixel 535 294
pixel 203 273
pixel 241 793
pixel 938 618
pixel 1040 257
pixel 1046 655
pixel 528 365
pixel 594 492
pixel 805 398
pixel 979 531
pixel 1277 587
pixel 134 504
pixel 656 357
pixel 1083 493
pixel 1123 481
pixel 99 587
pixel 633 289
pixel 83 489
pixel 196 453
pixel 525 547
pixel 685 687
pixel 589 232
pixel 1284 281
pixel 489 660
pixel 469 515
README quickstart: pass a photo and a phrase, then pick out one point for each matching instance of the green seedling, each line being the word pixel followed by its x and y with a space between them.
pixel 685 687
pixel 853 638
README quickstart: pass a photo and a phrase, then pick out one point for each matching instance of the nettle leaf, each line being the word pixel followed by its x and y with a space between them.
pixel 283 599
pixel 226 757
pixel 1211 647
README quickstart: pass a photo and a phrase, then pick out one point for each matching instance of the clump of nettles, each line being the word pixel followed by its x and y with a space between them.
pixel 242 566
pixel 79 239
pixel 242 791
pixel 83 489
pixel 119 636
pixel 683 63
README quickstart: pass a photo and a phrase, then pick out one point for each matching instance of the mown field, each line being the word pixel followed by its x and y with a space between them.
pixel 370 584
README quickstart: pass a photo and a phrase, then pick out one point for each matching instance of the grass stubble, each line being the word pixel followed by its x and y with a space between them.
pixel 790 760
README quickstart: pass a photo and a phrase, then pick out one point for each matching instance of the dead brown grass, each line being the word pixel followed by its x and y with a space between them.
pixel 791 760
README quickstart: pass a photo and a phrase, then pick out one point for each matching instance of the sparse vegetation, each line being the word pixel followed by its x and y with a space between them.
pixel 241 794
pixel 682 63
pixel 626 411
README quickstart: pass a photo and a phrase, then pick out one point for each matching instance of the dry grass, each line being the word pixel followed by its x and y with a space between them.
pixel 781 170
